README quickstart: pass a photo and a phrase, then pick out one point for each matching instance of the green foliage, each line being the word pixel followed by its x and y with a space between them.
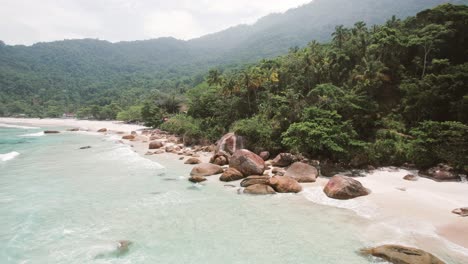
pixel 185 126
pixel 440 142
pixel 152 115
pixel 257 133
pixel 132 114
pixel 321 133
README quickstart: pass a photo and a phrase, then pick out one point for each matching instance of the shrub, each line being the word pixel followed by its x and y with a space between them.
pixel 184 126
pixel 256 131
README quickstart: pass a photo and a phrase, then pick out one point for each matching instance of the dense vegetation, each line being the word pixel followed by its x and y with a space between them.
pixel 383 95
pixel 98 79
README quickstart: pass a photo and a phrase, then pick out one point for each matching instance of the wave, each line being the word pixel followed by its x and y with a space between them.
pixel 124 153
pixel 17 126
pixel 38 134
pixel 9 156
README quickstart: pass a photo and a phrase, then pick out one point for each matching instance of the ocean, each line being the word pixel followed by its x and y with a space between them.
pixel 63 204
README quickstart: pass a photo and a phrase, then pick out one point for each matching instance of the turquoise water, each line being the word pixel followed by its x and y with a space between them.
pixel 60 204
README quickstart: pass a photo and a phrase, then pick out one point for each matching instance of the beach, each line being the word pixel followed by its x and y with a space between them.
pixel 415 212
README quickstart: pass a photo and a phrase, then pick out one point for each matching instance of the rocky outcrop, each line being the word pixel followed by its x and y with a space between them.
pixel 441 172
pixel 251 180
pixel 283 160
pixel 102 130
pixel 247 162
pixel 229 143
pixel 461 211
pixel 206 169
pixel 284 184
pixel 155 144
pixel 302 172
pixel 197 178
pixel 265 155
pixel 259 189
pixel 402 255
pixel 128 137
pixel 231 174
pixel 410 177
pixel 192 161
pixel 344 188
pixel 51 132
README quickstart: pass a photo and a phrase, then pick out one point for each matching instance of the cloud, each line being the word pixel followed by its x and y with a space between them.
pixel 30 21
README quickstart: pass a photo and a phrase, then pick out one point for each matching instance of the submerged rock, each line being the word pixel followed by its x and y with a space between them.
pixel 86 147
pixel 197 179
pixel 302 172
pixel 247 162
pixel 402 255
pixel 284 184
pixel 344 188
pixel 51 132
pixel 461 211
pixel 251 180
pixel 231 174
pixel 73 129
pixel 259 189
pixel 206 169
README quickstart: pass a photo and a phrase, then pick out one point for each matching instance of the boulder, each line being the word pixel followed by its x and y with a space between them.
pixel 251 180
pixel 155 144
pixel 265 155
pixel 231 174
pixel 302 172
pixel 192 161
pixel 402 255
pixel 102 130
pixel 229 143
pixel 206 169
pixel 247 162
pixel 221 158
pixel 197 178
pixel 441 172
pixel 128 137
pixel 411 177
pixel 461 211
pixel 344 188
pixel 259 189
pixel 283 160
pixel 284 184
pixel 51 132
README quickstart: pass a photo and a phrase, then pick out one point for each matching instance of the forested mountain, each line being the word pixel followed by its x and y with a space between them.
pixel 100 78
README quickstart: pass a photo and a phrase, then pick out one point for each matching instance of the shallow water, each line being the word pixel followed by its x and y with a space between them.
pixel 61 204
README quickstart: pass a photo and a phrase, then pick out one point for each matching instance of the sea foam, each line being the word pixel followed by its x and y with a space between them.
pixel 38 134
pixel 17 126
pixel 9 156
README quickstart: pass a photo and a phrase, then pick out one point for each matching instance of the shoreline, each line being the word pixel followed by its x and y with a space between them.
pixel 419 209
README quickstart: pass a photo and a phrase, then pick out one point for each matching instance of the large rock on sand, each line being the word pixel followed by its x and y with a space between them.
pixel 283 160
pixel 206 169
pixel 441 172
pixel 155 144
pixel 229 143
pixel 251 180
pixel 259 189
pixel 461 211
pixel 302 172
pixel 402 255
pixel 221 158
pixel 284 184
pixel 247 162
pixel 344 188
pixel 231 174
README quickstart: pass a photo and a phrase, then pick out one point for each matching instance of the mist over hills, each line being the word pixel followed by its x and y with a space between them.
pixel 76 71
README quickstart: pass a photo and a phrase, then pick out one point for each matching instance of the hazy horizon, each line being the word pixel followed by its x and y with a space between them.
pixel 26 22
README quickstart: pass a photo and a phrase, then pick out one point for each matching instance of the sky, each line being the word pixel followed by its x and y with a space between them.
pixel 30 21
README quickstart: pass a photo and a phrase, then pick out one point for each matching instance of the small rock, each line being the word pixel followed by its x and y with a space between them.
pixel 403 189
pixel 284 160
pixel 128 137
pixel 251 180
pixel 155 145
pixel 461 211
pixel 51 132
pixel 278 171
pixel 149 153
pixel 410 177
pixel 344 188
pixel 264 155
pixel 231 174
pixel 206 169
pixel 284 184
pixel 402 255
pixel 73 129
pixel 102 130
pixel 86 147
pixel 181 158
pixel 192 161
pixel 259 189
pixel 197 178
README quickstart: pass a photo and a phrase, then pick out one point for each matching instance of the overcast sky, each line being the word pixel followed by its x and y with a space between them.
pixel 31 21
